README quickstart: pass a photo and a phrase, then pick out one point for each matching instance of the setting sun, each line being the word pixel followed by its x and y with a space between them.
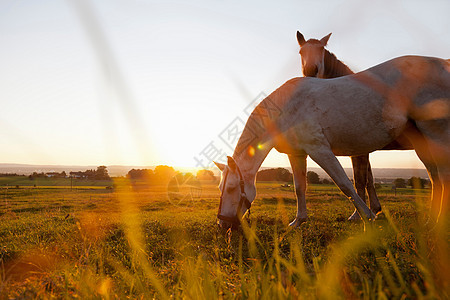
pixel 161 88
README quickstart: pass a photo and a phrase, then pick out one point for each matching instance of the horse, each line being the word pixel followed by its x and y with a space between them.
pixel 406 99
pixel 321 63
pixel 318 61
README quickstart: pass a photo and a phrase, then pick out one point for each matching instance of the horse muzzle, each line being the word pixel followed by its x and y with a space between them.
pixel 226 222
pixel 311 71
pixel 233 221
pixel 225 225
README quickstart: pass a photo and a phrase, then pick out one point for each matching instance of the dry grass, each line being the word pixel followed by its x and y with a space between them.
pixel 134 242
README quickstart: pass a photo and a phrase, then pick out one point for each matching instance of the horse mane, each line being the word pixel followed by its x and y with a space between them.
pixel 334 67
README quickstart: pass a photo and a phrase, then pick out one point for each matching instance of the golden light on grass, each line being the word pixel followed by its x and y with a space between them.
pixel 134 243
pixel 104 287
pixel 133 229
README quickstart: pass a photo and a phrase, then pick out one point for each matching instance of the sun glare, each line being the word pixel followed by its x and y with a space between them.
pixel 251 151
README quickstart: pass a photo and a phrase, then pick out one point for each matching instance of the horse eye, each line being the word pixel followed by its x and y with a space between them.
pixel 230 188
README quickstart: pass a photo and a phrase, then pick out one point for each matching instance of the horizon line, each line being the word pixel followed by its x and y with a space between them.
pixel 174 166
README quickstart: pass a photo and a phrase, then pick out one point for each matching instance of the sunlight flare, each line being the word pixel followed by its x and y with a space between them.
pixel 251 151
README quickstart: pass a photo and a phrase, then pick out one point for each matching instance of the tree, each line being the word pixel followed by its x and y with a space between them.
pixel 38 175
pixel 417 182
pixel 400 183
pixel 312 177
pixel 163 173
pixel 145 174
pixel 326 181
pixel 284 175
pixel 189 178
pixel 205 175
pixel 278 174
pixel 179 177
pixel 101 173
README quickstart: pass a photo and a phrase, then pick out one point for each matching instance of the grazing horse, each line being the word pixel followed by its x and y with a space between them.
pixel 406 99
pixel 321 63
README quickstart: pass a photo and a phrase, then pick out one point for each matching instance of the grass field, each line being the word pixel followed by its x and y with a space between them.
pixel 136 242
pixel 25 181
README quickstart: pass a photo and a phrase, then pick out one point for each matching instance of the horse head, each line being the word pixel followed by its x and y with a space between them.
pixel 236 195
pixel 312 53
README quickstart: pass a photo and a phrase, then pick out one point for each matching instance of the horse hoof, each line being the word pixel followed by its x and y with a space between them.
pixel 297 222
pixel 355 217
pixel 380 216
pixel 356 220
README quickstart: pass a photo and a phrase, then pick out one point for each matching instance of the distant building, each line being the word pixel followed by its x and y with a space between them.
pixel 81 175
pixel 56 174
pixel 53 174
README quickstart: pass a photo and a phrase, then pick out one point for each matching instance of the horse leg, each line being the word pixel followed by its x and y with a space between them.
pixel 298 165
pixel 436 150
pixel 439 170
pixel 375 205
pixel 444 211
pixel 441 156
pixel 360 165
pixel 325 158
pixel 436 158
pixel 436 184
pixel 363 178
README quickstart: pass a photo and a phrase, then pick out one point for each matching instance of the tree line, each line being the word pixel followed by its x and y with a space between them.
pixel 413 182
pixel 101 173
pixel 163 174
pixel 284 175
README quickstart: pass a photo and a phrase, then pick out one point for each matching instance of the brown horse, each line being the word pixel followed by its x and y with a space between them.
pixel 319 62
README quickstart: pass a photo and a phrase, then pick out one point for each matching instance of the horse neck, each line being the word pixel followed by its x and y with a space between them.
pixel 250 164
pixel 334 67
pixel 249 157
pixel 261 132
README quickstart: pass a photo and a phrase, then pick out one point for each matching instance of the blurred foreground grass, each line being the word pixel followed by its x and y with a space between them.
pixel 136 242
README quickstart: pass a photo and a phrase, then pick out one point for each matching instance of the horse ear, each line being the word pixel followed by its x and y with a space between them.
pixel 220 166
pixel 324 40
pixel 300 39
pixel 231 163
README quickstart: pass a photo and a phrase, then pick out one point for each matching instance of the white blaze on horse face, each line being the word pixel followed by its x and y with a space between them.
pixel 312 59
pixel 230 192
pixel 313 53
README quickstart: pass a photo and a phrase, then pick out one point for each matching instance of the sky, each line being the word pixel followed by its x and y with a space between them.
pixel 118 82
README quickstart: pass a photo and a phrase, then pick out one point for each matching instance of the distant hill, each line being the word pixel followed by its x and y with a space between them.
pixel 24 169
pixel 380 175
pixel 387 175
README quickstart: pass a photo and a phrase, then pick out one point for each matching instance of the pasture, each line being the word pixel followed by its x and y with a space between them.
pixel 134 241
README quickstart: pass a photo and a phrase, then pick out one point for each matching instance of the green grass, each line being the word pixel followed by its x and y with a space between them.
pixel 25 181
pixel 137 243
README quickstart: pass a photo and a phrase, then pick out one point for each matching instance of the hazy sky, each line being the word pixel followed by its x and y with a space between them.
pixel 156 82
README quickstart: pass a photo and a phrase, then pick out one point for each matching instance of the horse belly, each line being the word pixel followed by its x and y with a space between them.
pixel 363 127
pixel 357 142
